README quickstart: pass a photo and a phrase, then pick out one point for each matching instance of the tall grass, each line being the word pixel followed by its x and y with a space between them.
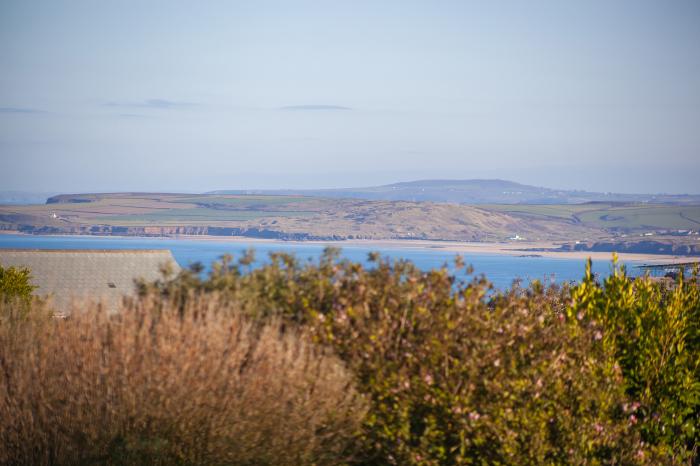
pixel 156 384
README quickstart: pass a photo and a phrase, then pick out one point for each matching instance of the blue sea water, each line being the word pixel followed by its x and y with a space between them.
pixel 500 269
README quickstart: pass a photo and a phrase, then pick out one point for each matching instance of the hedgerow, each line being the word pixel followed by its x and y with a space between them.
pixel 451 371
pixel 456 373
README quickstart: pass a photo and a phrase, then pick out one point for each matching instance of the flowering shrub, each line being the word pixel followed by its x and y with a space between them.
pixel 458 374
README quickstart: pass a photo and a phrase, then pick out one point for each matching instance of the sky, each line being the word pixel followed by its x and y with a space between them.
pixel 195 96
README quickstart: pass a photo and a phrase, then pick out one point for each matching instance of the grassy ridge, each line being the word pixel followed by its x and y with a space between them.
pixel 316 217
pixel 629 218
pixel 477 192
pixel 198 215
pixel 313 217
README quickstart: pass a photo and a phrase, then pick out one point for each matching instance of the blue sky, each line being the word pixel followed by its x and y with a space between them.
pixel 190 96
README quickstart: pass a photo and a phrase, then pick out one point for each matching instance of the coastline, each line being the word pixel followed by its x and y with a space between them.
pixel 524 248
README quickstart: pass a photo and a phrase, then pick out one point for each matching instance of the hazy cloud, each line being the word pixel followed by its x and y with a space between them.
pixel 314 107
pixel 133 115
pixel 19 110
pixel 152 103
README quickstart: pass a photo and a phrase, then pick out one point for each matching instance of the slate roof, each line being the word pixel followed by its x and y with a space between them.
pixel 104 275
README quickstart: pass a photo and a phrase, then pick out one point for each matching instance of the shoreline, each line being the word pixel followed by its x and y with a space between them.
pixel 525 248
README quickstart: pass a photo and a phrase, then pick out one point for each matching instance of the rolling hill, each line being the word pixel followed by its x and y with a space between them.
pixel 283 217
pixel 476 192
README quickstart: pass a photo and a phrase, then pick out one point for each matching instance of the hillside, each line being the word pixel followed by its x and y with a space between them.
pixel 476 192
pixel 645 228
pixel 286 217
pixel 620 218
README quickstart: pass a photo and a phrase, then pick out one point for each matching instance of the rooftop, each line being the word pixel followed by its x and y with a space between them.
pixel 89 274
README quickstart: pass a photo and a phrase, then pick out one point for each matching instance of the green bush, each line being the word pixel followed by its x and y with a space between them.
pixel 15 283
pixel 654 334
pixel 16 293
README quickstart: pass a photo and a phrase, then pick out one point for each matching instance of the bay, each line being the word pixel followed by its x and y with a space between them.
pixel 500 269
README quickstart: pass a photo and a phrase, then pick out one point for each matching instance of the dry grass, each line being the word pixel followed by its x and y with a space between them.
pixel 156 385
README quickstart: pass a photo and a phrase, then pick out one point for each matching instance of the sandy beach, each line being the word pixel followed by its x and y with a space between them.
pixel 509 248
pixel 523 248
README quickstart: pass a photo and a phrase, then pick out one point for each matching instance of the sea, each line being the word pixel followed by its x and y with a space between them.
pixel 500 269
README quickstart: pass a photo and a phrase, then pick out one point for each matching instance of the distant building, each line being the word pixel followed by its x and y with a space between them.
pixel 97 275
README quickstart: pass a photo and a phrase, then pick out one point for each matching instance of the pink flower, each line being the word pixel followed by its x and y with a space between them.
pixel 428 379
pixel 598 427
pixel 633 419
pixel 474 416
pixel 598 335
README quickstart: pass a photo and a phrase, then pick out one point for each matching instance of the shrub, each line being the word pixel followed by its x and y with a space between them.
pixel 15 283
pixel 458 378
pixel 16 295
pixel 156 386
pixel 654 334
pixel 454 373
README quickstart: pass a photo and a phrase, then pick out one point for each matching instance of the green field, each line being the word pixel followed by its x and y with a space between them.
pixel 613 216
pixel 201 214
pixel 245 201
